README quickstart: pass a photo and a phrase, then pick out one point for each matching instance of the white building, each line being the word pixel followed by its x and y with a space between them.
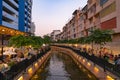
pixel 32 29
pixel 54 33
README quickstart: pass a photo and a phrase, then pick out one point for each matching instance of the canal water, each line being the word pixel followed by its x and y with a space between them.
pixel 62 67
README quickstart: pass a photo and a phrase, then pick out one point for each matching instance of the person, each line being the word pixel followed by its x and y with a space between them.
pixel 106 58
pixel 1 76
pixel 115 59
pixel 118 61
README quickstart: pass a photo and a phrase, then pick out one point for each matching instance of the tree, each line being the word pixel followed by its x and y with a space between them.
pixel 37 41
pixel 72 41
pixel 101 36
pixel 20 41
pixel 82 40
pixel 46 39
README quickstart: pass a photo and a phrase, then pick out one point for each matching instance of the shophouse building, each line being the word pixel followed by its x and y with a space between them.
pixel 102 14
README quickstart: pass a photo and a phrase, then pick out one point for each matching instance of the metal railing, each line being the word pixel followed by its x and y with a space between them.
pixel 22 66
pixel 96 60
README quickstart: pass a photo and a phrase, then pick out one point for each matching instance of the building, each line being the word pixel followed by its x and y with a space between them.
pixel 15 19
pixel 32 29
pixel 25 10
pixel 102 14
pixel 15 16
pixel 54 34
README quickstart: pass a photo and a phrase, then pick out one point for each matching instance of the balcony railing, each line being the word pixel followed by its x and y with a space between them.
pixel 10 8
pixel 13 2
pixel 10 25
pixel 10 16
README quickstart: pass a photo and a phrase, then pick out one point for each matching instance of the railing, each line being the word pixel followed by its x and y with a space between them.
pixel 10 8
pixel 22 66
pixel 96 60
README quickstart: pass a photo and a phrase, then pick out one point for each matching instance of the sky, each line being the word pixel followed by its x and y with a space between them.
pixel 49 15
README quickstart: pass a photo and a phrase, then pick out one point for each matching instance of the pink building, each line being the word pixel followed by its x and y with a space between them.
pixel 103 14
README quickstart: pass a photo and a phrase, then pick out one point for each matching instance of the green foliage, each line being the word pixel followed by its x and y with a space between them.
pixel 101 36
pixel 73 41
pixel 62 41
pixel 97 36
pixel 36 41
pixel 20 40
pixel 82 40
pixel 17 41
pixel 46 39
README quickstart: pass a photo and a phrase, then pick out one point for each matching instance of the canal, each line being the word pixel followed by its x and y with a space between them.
pixel 62 67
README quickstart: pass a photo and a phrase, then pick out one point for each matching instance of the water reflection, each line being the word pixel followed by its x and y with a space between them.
pixel 62 67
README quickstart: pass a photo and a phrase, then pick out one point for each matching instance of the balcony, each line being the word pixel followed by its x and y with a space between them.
pixel 14 3
pixel 25 16
pixel 93 2
pixel 97 23
pixel 25 4
pixel 28 24
pixel 29 18
pixel 10 25
pixel 25 21
pixel 10 8
pixel 5 14
pixel 89 25
pixel 98 9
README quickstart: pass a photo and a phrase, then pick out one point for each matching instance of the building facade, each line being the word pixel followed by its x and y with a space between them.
pixel 102 14
pixel 54 34
pixel 15 16
pixel 32 29
pixel 25 10
pixel 15 19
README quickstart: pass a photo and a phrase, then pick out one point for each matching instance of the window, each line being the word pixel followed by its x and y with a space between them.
pixel 102 2
pixel 89 1
pixel 108 10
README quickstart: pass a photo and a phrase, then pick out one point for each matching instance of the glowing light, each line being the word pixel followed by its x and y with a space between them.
pixel 20 78
pixel 89 76
pixel 30 71
pixel 88 64
pixel 96 69
pixel 39 60
pixel 76 45
pixel 36 64
pixel 3 30
pixel 36 76
pixel 109 78
pixel 11 31
pixel 83 60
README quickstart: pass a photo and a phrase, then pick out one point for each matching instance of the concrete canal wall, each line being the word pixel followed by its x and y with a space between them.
pixel 30 71
pixel 93 68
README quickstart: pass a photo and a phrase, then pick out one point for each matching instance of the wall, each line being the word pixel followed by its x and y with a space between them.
pixel 95 69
